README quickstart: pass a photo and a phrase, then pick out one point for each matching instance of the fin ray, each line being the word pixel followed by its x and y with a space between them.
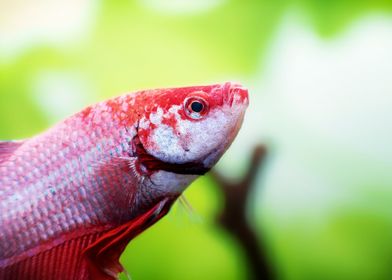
pixel 7 148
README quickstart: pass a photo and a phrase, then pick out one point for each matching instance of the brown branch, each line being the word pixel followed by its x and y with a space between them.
pixel 234 219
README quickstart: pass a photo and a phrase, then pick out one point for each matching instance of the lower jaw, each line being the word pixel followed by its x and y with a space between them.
pixel 149 164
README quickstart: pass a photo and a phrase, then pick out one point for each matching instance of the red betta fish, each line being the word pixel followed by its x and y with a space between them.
pixel 73 197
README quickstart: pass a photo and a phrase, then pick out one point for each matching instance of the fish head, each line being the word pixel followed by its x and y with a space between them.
pixel 183 132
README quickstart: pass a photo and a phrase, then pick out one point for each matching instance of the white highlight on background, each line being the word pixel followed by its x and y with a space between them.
pixel 181 6
pixel 325 106
pixel 60 94
pixel 26 24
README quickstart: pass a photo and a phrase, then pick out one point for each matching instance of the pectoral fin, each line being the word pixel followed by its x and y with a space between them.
pixel 103 255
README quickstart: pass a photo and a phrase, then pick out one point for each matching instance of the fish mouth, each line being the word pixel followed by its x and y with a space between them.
pixel 235 93
pixel 150 164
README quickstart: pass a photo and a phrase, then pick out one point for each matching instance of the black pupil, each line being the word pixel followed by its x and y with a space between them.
pixel 196 106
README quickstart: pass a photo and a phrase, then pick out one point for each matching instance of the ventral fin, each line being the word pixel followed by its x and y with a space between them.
pixel 7 148
pixel 103 255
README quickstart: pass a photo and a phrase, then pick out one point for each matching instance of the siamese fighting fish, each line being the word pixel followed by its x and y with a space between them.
pixel 72 197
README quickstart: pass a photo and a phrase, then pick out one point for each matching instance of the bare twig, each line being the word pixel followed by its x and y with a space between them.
pixel 234 220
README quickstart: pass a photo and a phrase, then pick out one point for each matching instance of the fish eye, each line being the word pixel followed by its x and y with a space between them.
pixel 195 107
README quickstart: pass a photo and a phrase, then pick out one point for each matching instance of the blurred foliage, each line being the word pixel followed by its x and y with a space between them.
pixel 129 46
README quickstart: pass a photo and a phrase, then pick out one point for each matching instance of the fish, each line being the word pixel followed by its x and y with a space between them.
pixel 73 196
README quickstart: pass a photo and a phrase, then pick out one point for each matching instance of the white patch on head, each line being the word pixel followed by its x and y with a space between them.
pixel 144 123
pixel 205 139
pixel 174 110
pixel 156 118
pixel 165 138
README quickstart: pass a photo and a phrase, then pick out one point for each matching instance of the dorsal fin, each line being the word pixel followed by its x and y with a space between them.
pixel 7 148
